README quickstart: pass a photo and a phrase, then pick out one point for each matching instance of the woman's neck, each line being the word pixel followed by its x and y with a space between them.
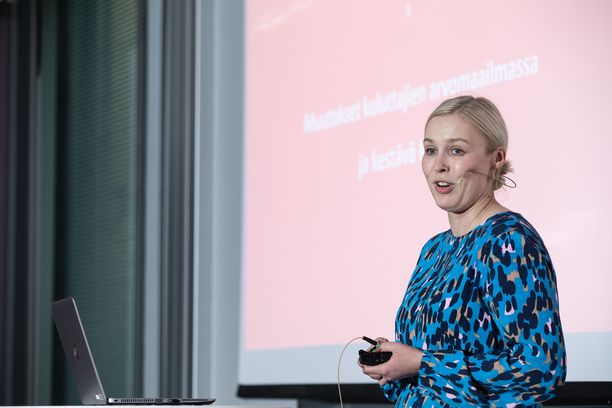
pixel 485 207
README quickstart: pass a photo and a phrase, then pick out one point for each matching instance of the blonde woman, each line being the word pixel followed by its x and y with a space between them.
pixel 479 324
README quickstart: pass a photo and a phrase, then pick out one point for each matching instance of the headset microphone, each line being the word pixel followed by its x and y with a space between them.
pixel 460 179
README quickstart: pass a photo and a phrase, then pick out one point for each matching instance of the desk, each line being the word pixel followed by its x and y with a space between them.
pixel 141 406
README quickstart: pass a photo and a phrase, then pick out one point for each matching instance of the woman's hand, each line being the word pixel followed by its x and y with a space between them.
pixel 405 362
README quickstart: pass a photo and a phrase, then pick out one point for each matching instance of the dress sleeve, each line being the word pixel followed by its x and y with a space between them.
pixel 518 288
pixel 392 390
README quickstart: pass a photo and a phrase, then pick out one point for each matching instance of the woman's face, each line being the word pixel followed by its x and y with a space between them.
pixel 456 163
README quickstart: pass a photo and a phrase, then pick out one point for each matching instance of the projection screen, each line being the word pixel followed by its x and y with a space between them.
pixel 336 208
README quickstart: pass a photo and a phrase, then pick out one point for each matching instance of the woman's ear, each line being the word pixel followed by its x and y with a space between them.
pixel 499 158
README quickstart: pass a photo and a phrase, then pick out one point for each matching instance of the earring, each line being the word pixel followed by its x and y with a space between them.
pixel 505 179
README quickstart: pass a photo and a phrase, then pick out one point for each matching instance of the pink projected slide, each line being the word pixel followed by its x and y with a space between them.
pixel 336 206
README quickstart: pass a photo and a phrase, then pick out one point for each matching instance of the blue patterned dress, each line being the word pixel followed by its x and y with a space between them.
pixel 484 309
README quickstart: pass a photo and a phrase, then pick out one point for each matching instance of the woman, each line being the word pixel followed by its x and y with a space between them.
pixel 479 323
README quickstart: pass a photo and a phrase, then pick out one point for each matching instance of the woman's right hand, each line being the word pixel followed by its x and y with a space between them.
pixel 405 362
pixel 377 377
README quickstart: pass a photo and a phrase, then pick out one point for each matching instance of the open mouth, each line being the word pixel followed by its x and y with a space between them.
pixel 443 187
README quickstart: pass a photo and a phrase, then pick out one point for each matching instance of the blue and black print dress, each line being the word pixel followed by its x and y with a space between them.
pixel 484 309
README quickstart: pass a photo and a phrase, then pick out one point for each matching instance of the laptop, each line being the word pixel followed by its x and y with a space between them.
pixel 81 362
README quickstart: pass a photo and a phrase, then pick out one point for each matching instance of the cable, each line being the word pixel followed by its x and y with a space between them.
pixel 340 360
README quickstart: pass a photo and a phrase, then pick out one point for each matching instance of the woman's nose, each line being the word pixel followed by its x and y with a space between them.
pixel 440 163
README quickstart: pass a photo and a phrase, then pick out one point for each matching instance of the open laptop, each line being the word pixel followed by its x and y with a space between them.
pixel 81 362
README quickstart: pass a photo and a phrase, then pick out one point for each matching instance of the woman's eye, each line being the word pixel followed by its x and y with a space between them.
pixel 456 151
pixel 429 151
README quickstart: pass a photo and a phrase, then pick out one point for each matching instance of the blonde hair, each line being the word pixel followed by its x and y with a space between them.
pixel 484 116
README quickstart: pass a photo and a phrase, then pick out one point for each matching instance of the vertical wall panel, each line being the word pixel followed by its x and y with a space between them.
pixel 100 147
